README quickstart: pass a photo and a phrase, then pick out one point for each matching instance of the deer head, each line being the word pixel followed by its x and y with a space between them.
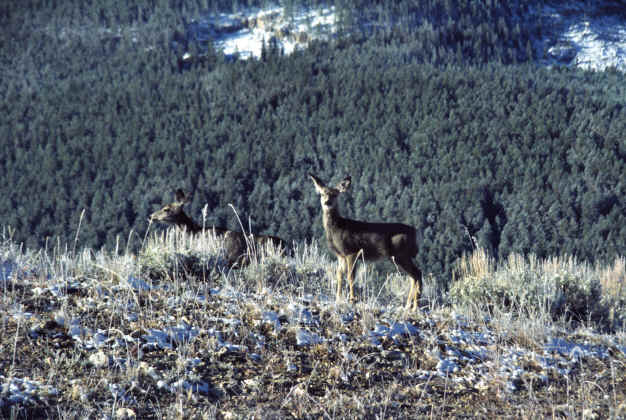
pixel 173 213
pixel 328 195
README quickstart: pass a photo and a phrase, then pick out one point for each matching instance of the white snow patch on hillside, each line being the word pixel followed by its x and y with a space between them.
pixel 573 33
pixel 596 50
pixel 287 32
pixel 584 35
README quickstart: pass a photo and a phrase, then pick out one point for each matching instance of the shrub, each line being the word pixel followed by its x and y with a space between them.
pixel 561 287
pixel 176 254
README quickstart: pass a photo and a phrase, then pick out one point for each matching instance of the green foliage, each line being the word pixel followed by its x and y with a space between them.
pixel 436 130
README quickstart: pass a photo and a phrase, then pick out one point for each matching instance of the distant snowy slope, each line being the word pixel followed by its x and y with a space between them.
pixel 243 34
pixel 590 35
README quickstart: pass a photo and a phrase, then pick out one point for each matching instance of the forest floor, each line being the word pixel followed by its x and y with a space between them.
pixel 171 334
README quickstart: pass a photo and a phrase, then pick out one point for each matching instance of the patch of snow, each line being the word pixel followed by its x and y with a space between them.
pixel 121 394
pixel 100 360
pixel 575 351
pixel 22 390
pixel 158 338
pixel 167 338
pixel 271 317
pixel 19 315
pixel 582 34
pixel 347 317
pixel 302 315
pixel 572 33
pixel 228 292
pixel 307 338
pixel 62 289
pixel 459 336
pixel 255 357
pixel 553 363
pixel 460 349
pixel 600 43
pixel 248 42
pixel 231 322
pixel 447 366
pixel 395 331
pixel 86 337
pixel 243 35
pixel 201 387
pixel 291 367
pixel 138 284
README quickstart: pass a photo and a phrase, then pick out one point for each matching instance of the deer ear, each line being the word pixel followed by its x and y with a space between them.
pixel 319 185
pixel 181 197
pixel 345 184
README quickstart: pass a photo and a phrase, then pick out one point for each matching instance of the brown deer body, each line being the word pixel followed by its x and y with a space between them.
pixel 235 243
pixel 351 239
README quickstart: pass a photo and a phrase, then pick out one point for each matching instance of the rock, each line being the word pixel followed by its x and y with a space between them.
pixel 125 413
pixel 99 360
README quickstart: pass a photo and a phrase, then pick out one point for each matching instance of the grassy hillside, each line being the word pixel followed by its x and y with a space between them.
pixel 172 332
pixel 431 116
pixel 511 174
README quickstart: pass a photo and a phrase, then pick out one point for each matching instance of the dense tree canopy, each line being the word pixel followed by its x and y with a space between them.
pixel 435 112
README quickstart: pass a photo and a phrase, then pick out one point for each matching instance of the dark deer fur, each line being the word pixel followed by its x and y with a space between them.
pixel 235 242
pixel 350 240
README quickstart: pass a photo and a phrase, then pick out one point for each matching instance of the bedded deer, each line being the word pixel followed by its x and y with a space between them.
pixel 235 243
pixel 351 239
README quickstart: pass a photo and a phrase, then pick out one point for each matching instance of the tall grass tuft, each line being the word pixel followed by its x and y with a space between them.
pixel 177 254
pixel 561 288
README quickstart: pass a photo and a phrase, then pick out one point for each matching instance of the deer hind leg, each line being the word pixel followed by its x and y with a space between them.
pixel 416 282
pixel 413 297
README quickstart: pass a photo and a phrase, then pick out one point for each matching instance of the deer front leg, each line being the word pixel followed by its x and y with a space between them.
pixel 340 272
pixel 350 265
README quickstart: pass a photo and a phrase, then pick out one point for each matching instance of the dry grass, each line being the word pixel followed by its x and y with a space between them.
pixel 173 332
pixel 557 288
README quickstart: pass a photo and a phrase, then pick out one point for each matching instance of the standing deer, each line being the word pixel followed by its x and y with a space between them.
pixel 350 239
pixel 235 243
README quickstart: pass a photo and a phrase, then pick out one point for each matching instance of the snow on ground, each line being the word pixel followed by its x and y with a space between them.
pixel 589 36
pixel 289 33
pixel 599 44
pixel 573 34
pixel 454 348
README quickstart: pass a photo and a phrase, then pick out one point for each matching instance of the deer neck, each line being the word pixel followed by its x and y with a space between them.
pixel 330 217
pixel 187 222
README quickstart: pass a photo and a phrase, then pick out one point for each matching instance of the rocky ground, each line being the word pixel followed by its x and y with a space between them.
pixel 87 339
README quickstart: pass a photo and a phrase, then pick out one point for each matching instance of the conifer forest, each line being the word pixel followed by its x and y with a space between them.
pixel 436 108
